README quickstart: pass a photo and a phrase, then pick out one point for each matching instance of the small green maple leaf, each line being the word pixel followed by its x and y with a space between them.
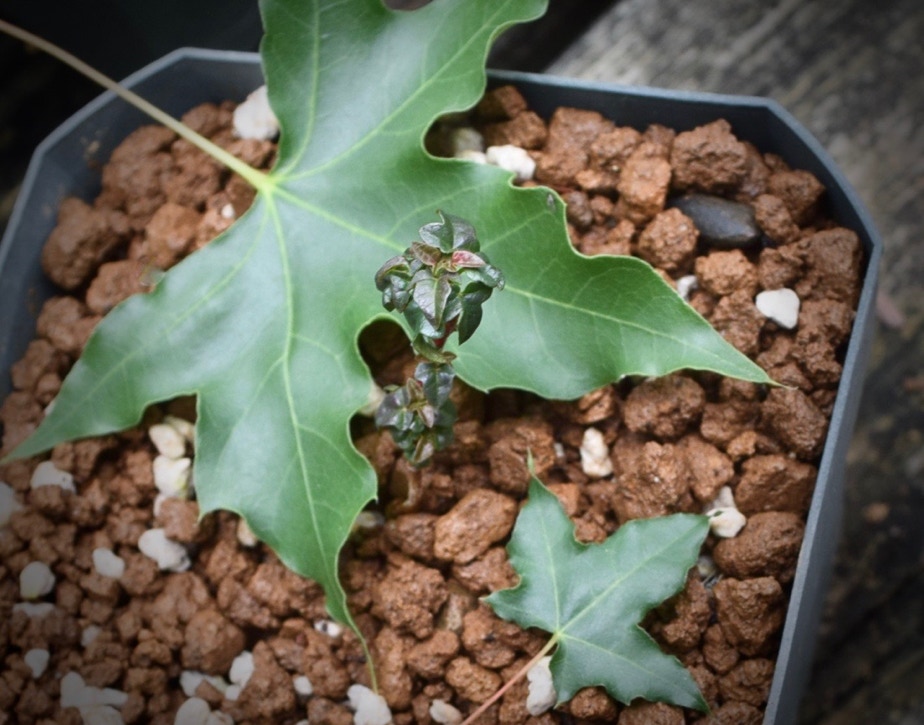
pixel 591 597
pixel 262 324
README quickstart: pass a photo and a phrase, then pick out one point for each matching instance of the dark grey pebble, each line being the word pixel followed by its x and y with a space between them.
pixel 721 223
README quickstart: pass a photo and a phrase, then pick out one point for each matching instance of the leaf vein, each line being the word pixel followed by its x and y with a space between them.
pixel 421 91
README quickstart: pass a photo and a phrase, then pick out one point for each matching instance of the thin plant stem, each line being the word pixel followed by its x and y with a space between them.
pixel 257 179
pixel 519 675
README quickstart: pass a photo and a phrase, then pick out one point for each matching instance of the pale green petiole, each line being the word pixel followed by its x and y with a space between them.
pixel 257 179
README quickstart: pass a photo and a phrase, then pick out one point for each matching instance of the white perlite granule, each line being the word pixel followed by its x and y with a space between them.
pixel 303 686
pixel 48 474
pixel 37 661
pixel 171 475
pixel 108 564
pixel 512 158
pixel 542 695
pixel 76 693
pixel 241 669
pixel 35 580
pixel 169 555
pixel 195 711
pixel 444 713
pixel 595 454
pixel 8 503
pixel 34 610
pixel 370 708
pixel 725 520
pixel 167 440
pixel 254 118
pixel 100 715
pixel 89 635
pixel 780 305
pixel 191 679
pixel 245 535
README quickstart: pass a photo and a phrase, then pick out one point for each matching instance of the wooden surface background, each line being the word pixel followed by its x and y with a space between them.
pixel 852 71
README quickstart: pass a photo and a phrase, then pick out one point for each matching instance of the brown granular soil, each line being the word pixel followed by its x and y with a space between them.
pixel 414 577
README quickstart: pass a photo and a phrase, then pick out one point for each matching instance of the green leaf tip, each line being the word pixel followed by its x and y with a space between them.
pixel 591 597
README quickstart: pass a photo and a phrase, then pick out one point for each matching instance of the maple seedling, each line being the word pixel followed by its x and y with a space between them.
pixel 439 285
pixel 591 598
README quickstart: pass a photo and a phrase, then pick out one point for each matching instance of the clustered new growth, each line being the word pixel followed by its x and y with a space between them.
pixel 439 285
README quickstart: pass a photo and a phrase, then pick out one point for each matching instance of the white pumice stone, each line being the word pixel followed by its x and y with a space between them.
pixel 72 687
pixel 76 693
pixel 685 285
pixel 254 118
pixel 108 564
pixel 595 454
pixel 195 711
pixel 241 669
pixel 706 567
pixel 35 580
pixel 477 157
pixel 227 211
pixel 34 610
pixel 780 305
pixel 233 692
pixel 725 498
pixel 185 427
pixel 191 679
pixel 376 396
pixel 8 503
pixel 100 715
pixel 328 627
pixel 369 708
pixel 245 535
pixel 168 441
pixel 171 475
pixel 465 138
pixel 169 555
pixel 46 411
pixel 542 695
pixel 217 717
pixel 110 696
pixel 158 502
pixel 512 158
pixel 303 686
pixel 37 661
pixel 89 634
pixel 369 521
pixel 726 522
pixel 48 474
pixel 442 712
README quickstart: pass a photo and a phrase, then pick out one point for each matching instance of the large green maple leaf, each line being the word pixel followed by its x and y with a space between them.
pixel 262 324
pixel 591 598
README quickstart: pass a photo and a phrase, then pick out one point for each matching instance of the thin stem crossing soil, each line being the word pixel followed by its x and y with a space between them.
pixel 257 179
pixel 519 675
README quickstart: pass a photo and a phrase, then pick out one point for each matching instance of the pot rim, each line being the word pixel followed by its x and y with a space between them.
pixel 807 590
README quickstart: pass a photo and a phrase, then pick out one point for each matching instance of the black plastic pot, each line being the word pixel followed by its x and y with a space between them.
pixel 65 165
